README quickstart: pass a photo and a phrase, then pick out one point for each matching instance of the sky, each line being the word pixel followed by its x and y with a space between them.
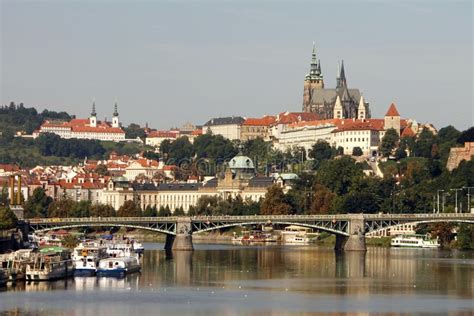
pixel 168 63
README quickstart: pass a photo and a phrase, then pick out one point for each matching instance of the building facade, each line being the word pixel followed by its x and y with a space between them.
pixel 227 127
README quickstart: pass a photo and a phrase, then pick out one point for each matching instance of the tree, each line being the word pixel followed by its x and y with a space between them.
pixel 129 209
pixel 133 131
pixel 320 151
pixel 274 202
pixel 7 218
pixel 102 170
pixel 150 211
pixel 424 144
pixel 357 151
pixel 179 212
pixel 4 200
pixel 339 174
pixel 37 204
pixel 102 210
pixel 164 211
pixel 61 208
pixel 389 142
pixel 81 209
pixel 322 200
pixel 466 136
pixel 465 236
pixel 181 151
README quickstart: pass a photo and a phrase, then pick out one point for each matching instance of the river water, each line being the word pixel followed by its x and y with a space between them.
pixel 225 279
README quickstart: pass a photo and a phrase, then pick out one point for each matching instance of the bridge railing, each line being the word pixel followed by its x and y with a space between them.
pixel 101 219
pixel 419 216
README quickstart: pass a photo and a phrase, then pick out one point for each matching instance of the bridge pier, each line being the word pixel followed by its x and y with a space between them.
pixel 183 240
pixel 356 240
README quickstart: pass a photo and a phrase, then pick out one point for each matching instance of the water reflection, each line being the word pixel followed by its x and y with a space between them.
pixel 277 280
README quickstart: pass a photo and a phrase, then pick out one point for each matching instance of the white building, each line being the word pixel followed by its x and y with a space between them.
pixel 228 127
pixel 156 138
pixel 86 128
pixel 305 134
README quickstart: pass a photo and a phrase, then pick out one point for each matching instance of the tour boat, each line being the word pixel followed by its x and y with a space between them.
pixel 50 263
pixel 86 258
pixel 414 241
pixel 120 250
pixel 15 264
pixel 254 236
pixel 118 267
pixel 298 235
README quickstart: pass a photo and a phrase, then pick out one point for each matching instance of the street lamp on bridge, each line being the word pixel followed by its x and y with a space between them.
pixel 468 198
pixel 456 199
pixel 437 193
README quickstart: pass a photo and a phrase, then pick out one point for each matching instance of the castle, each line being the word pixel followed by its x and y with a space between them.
pixel 340 103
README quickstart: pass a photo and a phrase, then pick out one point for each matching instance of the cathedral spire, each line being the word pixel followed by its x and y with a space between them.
pixel 341 76
pixel 315 69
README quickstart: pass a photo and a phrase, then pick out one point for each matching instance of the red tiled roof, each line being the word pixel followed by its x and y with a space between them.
pixel 264 121
pixel 82 125
pixel 9 167
pixel 408 132
pixel 293 117
pixel 359 125
pixel 392 110
pixel 197 132
pixel 163 134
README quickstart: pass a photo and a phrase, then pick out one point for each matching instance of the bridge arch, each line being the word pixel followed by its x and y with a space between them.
pixel 50 228
pixel 431 221
pixel 234 224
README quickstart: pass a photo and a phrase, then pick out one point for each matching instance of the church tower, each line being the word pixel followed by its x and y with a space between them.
pixel 313 80
pixel 338 111
pixel 392 119
pixel 115 117
pixel 361 112
pixel 93 117
pixel 341 76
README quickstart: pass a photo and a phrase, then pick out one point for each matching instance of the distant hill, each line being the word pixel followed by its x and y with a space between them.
pixel 14 118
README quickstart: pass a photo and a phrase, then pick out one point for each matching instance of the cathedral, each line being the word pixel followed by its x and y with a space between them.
pixel 340 102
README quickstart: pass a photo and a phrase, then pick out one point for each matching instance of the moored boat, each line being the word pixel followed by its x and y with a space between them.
pixel 414 241
pixel 118 267
pixel 86 258
pixel 15 264
pixel 294 234
pixel 50 263
pixel 3 277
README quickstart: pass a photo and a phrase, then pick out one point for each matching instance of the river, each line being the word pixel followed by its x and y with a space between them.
pixel 224 279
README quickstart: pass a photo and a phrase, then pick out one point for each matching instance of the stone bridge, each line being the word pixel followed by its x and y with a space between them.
pixel 350 229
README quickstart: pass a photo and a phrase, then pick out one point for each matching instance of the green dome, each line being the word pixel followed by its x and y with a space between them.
pixel 241 162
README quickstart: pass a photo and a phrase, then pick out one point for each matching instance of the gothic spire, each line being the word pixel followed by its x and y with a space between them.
pixel 341 76
pixel 93 113
pixel 115 108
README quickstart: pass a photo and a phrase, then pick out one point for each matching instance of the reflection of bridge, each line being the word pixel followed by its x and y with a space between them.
pixel 350 229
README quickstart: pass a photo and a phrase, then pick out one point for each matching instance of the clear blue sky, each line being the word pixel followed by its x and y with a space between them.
pixel 172 62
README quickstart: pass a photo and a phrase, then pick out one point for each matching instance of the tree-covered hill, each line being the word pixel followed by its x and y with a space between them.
pixel 15 118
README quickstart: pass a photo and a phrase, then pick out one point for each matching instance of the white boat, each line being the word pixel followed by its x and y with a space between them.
pixel 294 234
pixel 118 267
pixel 138 247
pixel 15 263
pixel 50 263
pixel 120 250
pixel 414 241
pixel 86 258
